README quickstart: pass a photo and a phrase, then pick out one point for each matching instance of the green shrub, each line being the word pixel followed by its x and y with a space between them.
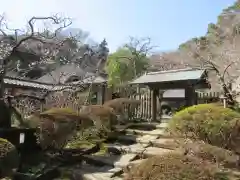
pixel 175 167
pixel 9 158
pixel 208 122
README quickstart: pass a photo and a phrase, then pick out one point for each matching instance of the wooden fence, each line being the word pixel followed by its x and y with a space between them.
pixel 143 111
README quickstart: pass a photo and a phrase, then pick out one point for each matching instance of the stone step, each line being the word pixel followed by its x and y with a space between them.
pixel 127 149
pixel 136 162
pixel 146 139
pixel 165 120
pixel 162 125
pixel 89 172
pixel 143 150
pixel 159 133
pixel 136 132
pixel 130 166
pixel 127 138
pixel 117 178
pixel 154 151
pixel 158 125
pixel 115 160
pixel 119 162
pixel 156 132
pixel 164 143
pixel 143 124
pixel 166 117
pixel 121 127
pixel 124 160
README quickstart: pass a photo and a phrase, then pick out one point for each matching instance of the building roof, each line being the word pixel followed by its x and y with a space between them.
pixel 52 87
pixel 91 79
pixel 170 76
pixel 61 74
pixel 34 84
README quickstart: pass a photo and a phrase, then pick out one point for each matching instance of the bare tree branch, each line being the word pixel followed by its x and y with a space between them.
pixel 11 46
pixel 210 65
pixel 226 69
pixel 2 19
pixel 55 19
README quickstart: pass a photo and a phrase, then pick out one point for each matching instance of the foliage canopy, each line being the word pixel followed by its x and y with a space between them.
pixel 124 65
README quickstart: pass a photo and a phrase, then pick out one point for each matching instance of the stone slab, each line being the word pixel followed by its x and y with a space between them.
pixel 89 172
pixel 134 148
pixel 164 143
pixel 157 132
pixel 124 160
pixel 166 117
pixel 116 161
pixel 107 160
pixel 137 132
pixel 143 124
pixel 121 127
pixel 146 139
pixel 127 138
pixel 162 125
pixel 117 178
pixel 154 151
pixel 136 162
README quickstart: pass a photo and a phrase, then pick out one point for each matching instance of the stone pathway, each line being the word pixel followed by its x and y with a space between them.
pixel 144 144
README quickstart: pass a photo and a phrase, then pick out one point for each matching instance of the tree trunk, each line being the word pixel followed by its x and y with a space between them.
pixel 5 121
pixel 5 112
pixel 227 93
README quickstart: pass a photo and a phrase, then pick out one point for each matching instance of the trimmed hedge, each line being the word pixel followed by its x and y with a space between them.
pixel 61 126
pixel 103 116
pixel 58 126
pixel 211 153
pixel 175 167
pixel 211 123
pixel 63 115
pixel 9 158
pixel 120 104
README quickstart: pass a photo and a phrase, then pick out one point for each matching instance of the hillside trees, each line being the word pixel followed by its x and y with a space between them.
pixel 218 50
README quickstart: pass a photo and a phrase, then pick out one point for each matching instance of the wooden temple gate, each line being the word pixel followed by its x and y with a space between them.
pixel 187 79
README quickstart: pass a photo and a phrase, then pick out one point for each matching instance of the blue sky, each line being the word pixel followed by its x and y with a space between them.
pixel 167 22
